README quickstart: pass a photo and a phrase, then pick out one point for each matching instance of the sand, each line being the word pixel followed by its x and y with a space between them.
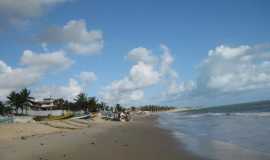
pixel 139 139
pixel 9 132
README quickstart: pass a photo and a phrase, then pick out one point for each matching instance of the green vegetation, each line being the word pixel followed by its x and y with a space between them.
pixel 60 103
pixel 2 108
pixel 156 108
pixel 20 100
pixel 119 108
pixel 82 102
pixel 5 109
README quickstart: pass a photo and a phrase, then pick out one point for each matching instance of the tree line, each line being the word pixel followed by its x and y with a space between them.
pixel 22 101
pixel 155 108
pixel 17 100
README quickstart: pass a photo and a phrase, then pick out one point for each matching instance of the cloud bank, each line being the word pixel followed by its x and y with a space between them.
pixel 148 70
pixel 224 73
pixel 35 65
pixel 18 13
pixel 231 69
pixel 75 38
pixel 229 74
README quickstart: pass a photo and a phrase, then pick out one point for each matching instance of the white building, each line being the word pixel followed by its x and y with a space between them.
pixel 45 104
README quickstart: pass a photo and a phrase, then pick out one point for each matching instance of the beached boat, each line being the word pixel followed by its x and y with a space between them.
pixel 4 120
pixel 66 115
pixel 108 115
pixel 82 116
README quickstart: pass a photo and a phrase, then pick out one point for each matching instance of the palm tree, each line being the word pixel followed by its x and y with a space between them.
pixel 81 101
pixel 25 98
pixel 60 103
pixel 21 100
pixel 107 108
pixel 101 106
pixel 13 100
pixel 92 104
pixel 2 108
pixel 118 108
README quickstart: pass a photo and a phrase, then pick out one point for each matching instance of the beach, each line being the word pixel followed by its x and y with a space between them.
pixel 139 139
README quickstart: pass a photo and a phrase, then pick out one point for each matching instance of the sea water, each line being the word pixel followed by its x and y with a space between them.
pixel 222 136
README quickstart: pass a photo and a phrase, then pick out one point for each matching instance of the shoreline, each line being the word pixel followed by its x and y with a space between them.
pixel 139 139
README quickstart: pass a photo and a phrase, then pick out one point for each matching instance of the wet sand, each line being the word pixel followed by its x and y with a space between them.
pixel 139 139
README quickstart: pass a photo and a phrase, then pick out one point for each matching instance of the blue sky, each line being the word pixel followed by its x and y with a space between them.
pixel 190 29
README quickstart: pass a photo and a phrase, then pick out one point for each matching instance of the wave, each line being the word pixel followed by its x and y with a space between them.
pixel 255 114
pixel 261 114
pixel 262 106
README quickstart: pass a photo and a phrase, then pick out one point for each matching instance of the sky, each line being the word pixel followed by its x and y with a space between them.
pixel 181 53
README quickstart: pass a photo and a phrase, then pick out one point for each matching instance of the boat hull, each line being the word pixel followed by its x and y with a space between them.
pixel 52 118
pixel 82 117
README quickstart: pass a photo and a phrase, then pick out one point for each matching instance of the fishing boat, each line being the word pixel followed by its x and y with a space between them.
pixel 66 115
pixel 4 120
pixel 108 115
pixel 84 116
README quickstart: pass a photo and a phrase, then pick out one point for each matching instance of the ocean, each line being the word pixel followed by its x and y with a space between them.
pixel 223 133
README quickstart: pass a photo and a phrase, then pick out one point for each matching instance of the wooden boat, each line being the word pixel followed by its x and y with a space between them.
pixel 66 115
pixel 40 118
pixel 108 115
pixel 4 120
pixel 83 116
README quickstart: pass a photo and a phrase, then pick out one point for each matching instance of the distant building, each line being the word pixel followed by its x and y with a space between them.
pixel 45 104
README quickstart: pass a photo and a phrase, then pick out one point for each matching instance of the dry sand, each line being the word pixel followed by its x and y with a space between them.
pixel 9 132
pixel 135 140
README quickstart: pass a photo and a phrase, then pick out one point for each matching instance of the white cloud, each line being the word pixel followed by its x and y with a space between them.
pixel 68 92
pixel 174 86
pixel 177 89
pixel 46 61
pixel 149 70
pixel 143 55
pixel 17 78
pixel 35 66
pixel 18 12
pixel 229 52
pixel 87 78
pixel 224 73
pixel 76 38
pixel 143 74
pixel 230 69
pixel 4 68
pixel 122 91
pixel 227 75
pixel 166 62
pixel 130 88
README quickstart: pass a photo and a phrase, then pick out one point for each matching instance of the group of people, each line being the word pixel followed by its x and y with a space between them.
pixel 124 116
